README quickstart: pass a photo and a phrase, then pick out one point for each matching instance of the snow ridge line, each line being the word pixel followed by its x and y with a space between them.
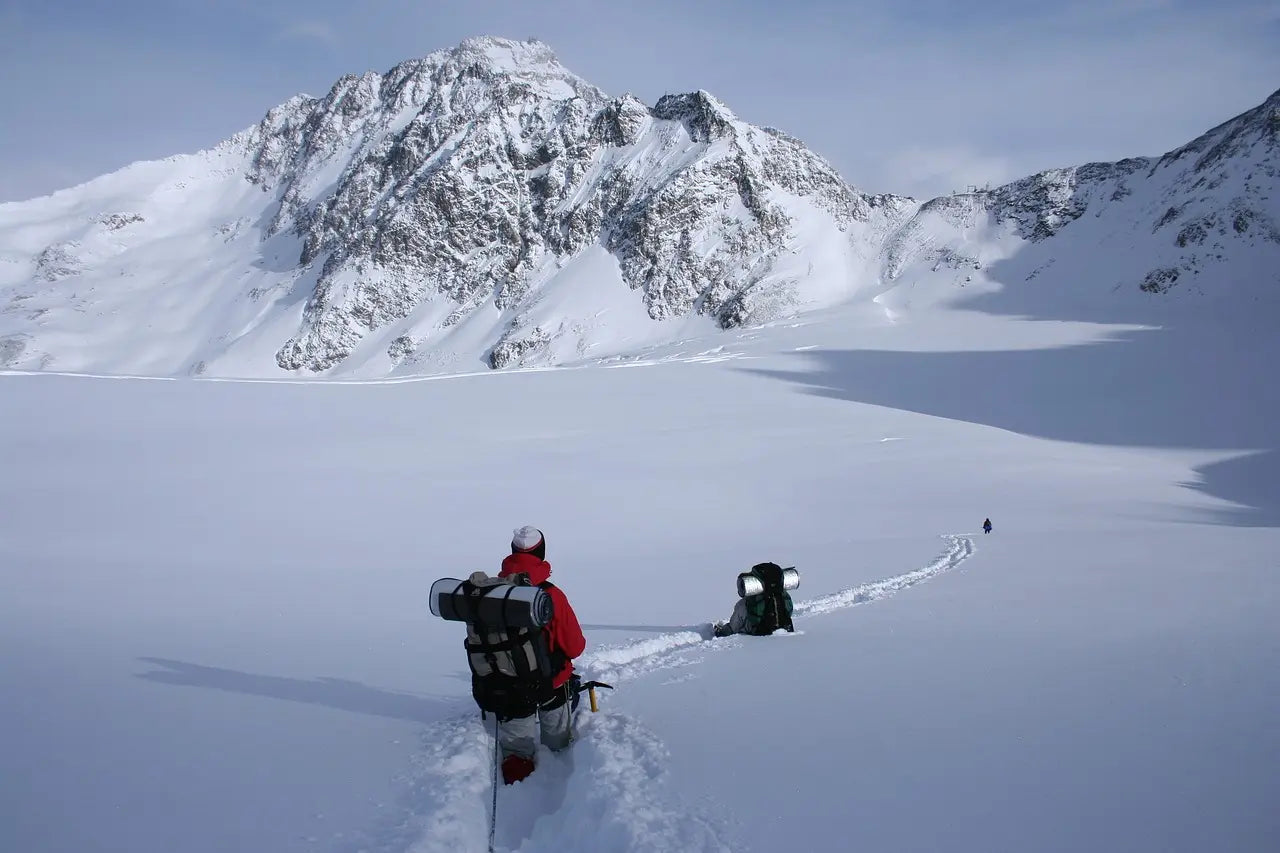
pixel 676 649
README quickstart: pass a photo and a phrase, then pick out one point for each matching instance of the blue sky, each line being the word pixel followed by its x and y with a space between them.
pixel 911 97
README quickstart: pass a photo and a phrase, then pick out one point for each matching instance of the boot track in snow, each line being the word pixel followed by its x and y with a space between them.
pixel 606 794
pixel 667 651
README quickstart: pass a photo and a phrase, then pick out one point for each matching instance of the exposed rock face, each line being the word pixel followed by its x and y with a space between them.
pixel 445 200
pixel 461 174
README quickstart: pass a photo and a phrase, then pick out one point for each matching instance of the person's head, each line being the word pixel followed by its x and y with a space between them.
pixel 529 540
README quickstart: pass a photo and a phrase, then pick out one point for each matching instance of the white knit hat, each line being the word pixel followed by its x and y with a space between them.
pixel 526 538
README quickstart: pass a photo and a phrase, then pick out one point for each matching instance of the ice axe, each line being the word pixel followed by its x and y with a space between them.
pixel 590 687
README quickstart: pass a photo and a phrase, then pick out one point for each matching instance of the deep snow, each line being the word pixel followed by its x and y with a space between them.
pixel 214 633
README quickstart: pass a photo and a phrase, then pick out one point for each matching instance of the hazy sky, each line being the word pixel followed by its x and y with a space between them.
pixel 910 97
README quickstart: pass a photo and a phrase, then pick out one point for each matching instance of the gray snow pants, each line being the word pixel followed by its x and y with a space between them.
pixel 520 736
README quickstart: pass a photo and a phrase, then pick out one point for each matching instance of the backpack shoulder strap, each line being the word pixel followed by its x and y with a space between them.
pixel 558 657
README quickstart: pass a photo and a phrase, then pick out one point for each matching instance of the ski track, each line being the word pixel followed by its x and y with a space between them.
pixel 607 794
pixel 689 647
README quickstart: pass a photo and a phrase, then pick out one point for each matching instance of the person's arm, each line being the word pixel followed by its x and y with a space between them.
pixel 565 628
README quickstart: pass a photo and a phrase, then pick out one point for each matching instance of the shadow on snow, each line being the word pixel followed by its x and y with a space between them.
pixel 336 693
pixel 1196 389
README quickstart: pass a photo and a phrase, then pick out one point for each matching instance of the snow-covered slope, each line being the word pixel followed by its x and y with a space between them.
pixel 214 633
pixel 1199 226
pixel 484 207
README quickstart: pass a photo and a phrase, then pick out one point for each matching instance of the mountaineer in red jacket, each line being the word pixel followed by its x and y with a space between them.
pixel 518 737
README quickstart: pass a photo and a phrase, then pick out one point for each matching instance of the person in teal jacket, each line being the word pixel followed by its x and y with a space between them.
pixel 762 613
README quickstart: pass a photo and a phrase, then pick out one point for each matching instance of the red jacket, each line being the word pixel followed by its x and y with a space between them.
pixel 563 632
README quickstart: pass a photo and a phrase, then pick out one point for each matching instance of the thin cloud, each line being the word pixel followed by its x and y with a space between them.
pixel 928 172
pixel 313 31
pixel 919 98
pixel 42 177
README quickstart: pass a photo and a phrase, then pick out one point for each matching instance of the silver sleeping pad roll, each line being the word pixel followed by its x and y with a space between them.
pixel 749 584
pixel 490 601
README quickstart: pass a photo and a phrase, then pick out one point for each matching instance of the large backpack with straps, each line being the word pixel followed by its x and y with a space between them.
pixel 508 649
pixel 770 609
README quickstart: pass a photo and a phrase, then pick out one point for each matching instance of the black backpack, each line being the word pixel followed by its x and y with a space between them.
pixel 771 609
pixel 512 666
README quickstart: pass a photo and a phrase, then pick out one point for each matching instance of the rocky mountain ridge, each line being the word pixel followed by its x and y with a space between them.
pixel 438 208
pixel 508 163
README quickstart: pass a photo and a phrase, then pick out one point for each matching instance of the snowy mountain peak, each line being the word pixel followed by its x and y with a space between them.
pixel 703 116
pixel 498 61
pixel 1259 126
pixel 484 205
pixel 499 169
pixel 506 55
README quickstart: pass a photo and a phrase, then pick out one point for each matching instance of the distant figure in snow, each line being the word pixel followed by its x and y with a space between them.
pixel 986 526
pixel 764 605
